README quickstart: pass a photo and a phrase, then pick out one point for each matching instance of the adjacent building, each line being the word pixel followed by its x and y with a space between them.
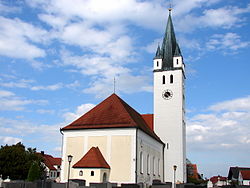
pixel 239 175
pixel 52 166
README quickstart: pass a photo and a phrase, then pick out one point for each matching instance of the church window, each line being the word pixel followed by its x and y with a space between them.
pixel 157 63
pixel 141 163
pixel 163 79
pixel 171 79
pixel 81 173
pixel 92 173
pixel 177 61
pixel 148 164
pixel 158 166
pixel 154 166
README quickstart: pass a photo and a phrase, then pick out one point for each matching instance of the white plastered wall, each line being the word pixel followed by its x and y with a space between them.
pixel 169 122
pixel 154 149
pixel 117 147
pixel 86 174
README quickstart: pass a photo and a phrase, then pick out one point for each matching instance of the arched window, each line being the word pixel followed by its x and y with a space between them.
pixel 148 164
pixel 104 178
pixel 158 166
pixel 163 79
pixel 171 79
pixel 141 162
pixel 177 61
pixel 157 63
pixel 92 173
pixel 154 166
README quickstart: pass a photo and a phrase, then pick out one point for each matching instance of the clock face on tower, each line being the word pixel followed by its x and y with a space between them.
pixel 167 94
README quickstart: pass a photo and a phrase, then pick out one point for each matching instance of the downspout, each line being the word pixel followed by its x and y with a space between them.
pixel 136 146
pixel 61 153
pixel 163 148
pixel 62 142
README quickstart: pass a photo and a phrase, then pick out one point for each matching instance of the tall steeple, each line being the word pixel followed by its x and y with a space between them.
pixel 169 104
pixel 170 47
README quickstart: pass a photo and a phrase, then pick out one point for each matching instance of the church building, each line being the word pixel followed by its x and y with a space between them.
pixel 113 142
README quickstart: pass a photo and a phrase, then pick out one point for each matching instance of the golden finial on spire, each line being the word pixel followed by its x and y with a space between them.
pixel 170 6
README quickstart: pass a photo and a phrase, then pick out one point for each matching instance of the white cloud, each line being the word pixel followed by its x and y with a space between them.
pixel 224 17
pixel 4 93
pixel 43 111
pixel 103 70
pixel 23 83
pixel 98 11
pixel 183 7
pixel 10 102
pixel 4 9
pixel 240 104
pixel 9 140
pixel 82 109
pixel 56 86
pixel 225 127
pixel 15 37
pixel 229 42
pixel 34 135
pixel 49 87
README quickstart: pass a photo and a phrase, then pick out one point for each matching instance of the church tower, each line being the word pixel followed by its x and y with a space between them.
pixel 169 104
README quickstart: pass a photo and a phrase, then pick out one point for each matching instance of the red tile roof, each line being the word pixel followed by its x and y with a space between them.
pixel 245 174
pixel 50 161
pixel 215 179
pixel 149 119
pixel 92 159
pixel 194 173
pixel 113 112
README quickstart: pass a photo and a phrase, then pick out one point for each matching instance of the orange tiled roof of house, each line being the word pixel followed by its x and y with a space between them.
pixel 215 179
pixel 194 173
pixel 245 174
pixel 50 161
pixel 92 159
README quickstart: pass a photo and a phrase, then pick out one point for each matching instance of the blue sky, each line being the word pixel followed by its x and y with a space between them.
pixel 58 59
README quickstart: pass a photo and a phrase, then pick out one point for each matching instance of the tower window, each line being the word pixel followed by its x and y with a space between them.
pixel 157 63
pixel 177 61
pixel 171 79
pixel 92 173
pixel 163 79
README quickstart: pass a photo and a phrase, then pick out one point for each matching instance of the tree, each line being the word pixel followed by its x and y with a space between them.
pixel 15 161
pixel 34 172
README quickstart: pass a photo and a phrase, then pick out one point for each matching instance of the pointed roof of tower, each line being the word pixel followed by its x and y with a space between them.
pixel 177 51
pixel 113 112
pixel 158 53
pixel 169 47
pixel 92 159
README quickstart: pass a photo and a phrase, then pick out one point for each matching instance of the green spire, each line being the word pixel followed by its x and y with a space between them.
pixel 158 53
pixel 169 45
pixel 177 51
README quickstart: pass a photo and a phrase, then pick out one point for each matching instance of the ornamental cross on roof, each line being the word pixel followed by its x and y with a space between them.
pixel 170 47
